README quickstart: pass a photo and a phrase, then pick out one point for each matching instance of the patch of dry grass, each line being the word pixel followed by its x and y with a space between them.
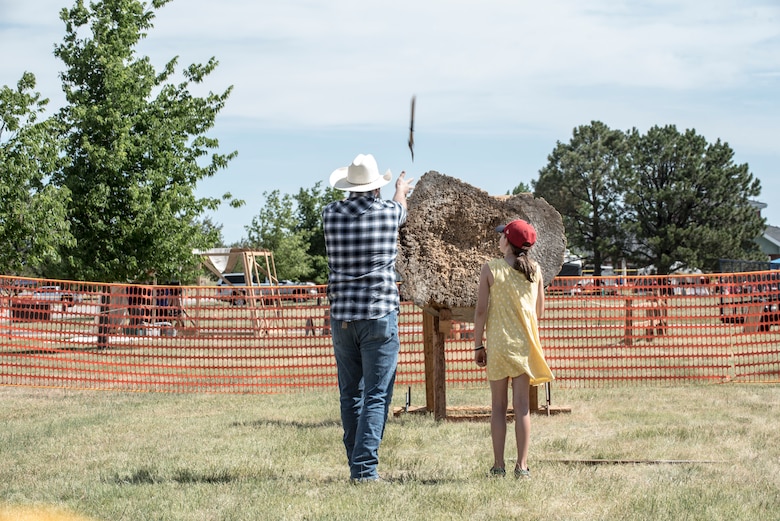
pixel 132 456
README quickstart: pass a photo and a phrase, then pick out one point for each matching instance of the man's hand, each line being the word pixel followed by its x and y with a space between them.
pixel 402 188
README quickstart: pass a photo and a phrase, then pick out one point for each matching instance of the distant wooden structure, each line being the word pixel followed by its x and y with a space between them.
pixel 258 265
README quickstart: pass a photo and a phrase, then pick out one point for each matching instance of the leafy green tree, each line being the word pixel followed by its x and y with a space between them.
pixel 583 181
pixel 310 204
pixel 212 230
pixel 136 145
pixel 522 188
pixel 275 229
pixel 291 227
pixel 33 225
pixel 688 203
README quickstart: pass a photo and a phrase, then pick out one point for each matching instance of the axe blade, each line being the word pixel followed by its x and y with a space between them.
pixel 411 130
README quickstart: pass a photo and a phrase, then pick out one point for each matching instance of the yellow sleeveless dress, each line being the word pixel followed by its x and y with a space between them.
pixel 512 330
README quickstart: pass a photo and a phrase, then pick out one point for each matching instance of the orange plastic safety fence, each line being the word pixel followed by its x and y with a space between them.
pixel 595 333
pixel 673 329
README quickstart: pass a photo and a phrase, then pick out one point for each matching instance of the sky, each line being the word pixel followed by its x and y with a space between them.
pixel 498 83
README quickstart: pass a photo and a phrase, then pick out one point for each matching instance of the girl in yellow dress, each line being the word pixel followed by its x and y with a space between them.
pixel 510 303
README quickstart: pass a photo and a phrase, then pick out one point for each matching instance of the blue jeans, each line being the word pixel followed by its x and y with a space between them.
pixel 366 358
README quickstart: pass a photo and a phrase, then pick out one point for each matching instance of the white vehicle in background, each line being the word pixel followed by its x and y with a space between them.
pixel 232 288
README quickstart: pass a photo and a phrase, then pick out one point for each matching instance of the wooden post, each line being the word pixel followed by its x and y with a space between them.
pixel 753 317
pixel 435 328
pixel 441 328
pixel 103 318
pixel 445 321
pixel 428 334
pixel 533 399
pixel 628 332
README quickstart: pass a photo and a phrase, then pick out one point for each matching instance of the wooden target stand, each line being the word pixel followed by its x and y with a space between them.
pixel 253 270
pixel 437 323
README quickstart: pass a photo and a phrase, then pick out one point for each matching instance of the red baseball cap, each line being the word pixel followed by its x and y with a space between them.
pixel 519 233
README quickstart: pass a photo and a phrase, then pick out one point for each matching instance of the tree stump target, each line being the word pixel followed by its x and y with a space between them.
pixel 448 235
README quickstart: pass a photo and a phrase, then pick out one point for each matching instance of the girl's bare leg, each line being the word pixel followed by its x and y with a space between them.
pixel 499 405
pixel 520 403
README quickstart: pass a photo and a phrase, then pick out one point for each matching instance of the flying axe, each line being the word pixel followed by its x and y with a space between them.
pixel 411 131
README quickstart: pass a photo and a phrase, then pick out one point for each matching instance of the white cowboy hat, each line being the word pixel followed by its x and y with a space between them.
pixel 361 176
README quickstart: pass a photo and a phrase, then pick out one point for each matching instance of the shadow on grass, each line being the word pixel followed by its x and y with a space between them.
pixel 145 476
pixel 257 424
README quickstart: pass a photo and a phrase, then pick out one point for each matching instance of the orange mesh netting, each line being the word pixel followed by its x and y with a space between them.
pixel 596 332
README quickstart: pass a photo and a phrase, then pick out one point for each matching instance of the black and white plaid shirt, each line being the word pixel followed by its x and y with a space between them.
pixel 361 237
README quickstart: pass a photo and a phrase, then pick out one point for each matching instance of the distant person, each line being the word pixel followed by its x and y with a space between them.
pixel 510 303
pixel 361 236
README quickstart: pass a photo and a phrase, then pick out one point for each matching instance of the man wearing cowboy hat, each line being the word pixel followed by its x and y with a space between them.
pixel 361 236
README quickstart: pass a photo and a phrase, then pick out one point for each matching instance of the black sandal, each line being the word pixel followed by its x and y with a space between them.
pixel 497 472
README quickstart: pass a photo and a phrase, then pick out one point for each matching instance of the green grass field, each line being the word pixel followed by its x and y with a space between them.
pixel 688 453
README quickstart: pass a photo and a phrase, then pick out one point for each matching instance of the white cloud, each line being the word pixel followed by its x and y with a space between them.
pixel 494 67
